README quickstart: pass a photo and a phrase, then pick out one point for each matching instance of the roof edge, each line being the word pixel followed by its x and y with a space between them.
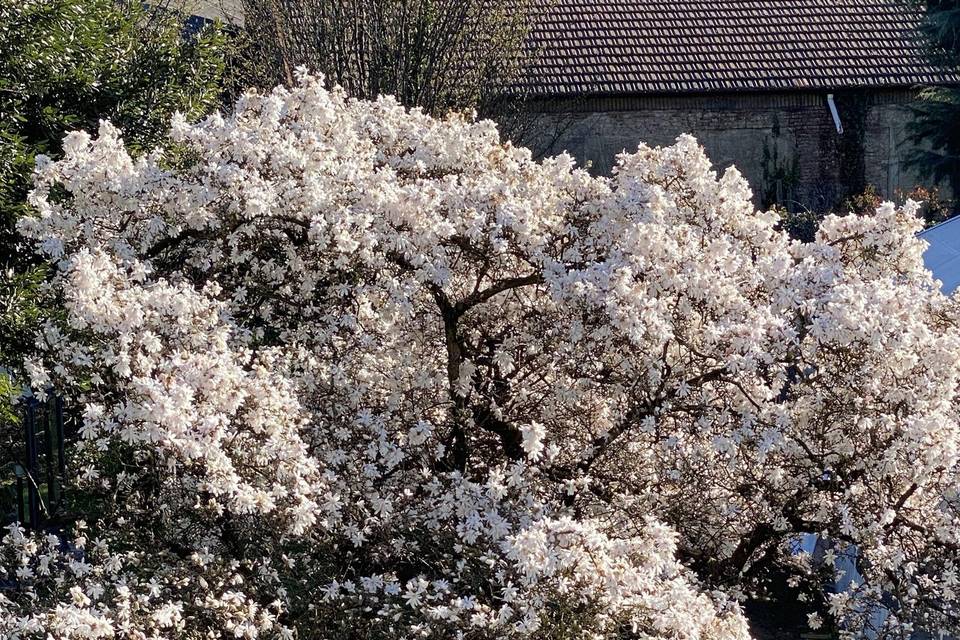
pixel 719 99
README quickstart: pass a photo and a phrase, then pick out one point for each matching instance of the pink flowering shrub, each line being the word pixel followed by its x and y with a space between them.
pixel 354 372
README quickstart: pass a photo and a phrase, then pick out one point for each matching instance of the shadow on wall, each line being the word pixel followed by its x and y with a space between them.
pixel 788 146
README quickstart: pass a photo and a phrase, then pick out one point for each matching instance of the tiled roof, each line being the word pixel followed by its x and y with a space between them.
pixel 618 47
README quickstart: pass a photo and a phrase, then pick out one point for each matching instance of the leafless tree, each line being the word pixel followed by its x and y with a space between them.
pixel 435 54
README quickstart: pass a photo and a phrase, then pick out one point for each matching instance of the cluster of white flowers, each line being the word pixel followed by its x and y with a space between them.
pixel 391 377
pixel 79 587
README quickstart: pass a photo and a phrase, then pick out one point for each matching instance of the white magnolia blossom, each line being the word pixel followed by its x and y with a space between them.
pixel 353 372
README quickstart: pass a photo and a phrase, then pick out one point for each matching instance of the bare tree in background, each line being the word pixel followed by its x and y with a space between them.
pixel 435 54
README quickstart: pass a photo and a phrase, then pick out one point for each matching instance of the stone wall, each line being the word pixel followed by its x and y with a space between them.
pixel 787 145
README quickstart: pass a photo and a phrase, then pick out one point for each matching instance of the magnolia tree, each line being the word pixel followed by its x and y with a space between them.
pixel 354 372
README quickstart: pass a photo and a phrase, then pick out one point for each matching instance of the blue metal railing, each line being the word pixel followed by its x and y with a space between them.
pixel 40 469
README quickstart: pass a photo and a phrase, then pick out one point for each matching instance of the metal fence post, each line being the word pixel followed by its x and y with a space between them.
pixel 61 463
pixel 30 432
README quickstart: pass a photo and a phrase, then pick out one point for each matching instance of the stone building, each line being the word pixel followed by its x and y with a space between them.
pixel 810 99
